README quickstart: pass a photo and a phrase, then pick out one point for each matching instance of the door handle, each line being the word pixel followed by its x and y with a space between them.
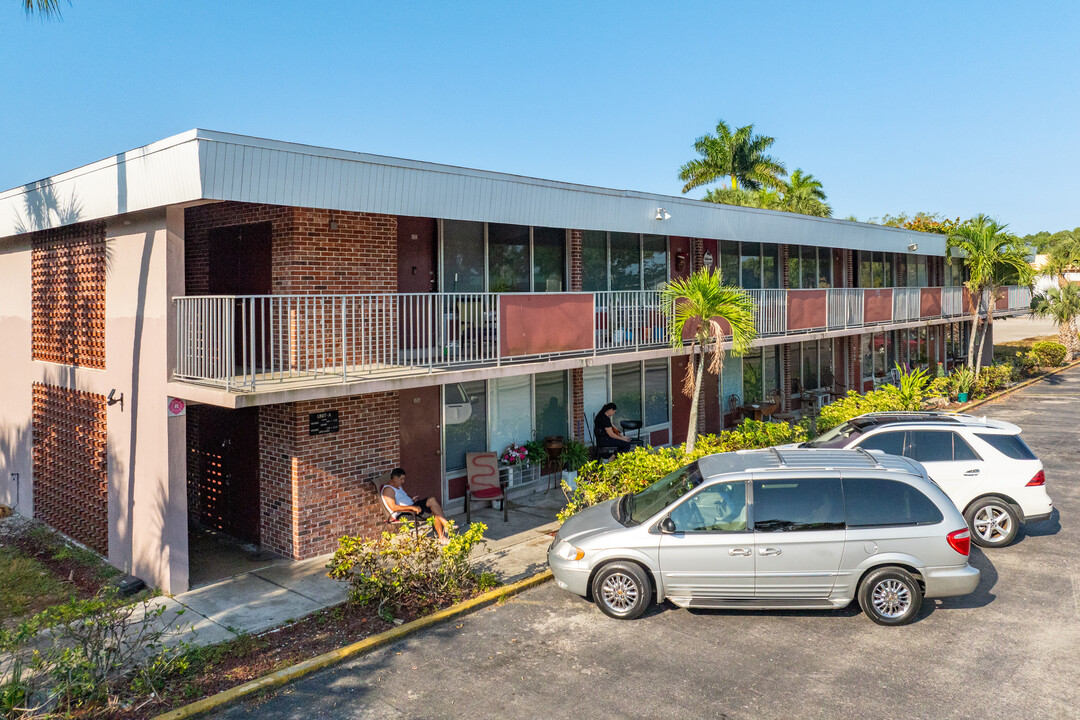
pixel 739 551
pixel 769 551
pixel 970 473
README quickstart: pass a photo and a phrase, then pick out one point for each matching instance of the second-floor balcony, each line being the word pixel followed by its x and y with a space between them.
pixel 262 342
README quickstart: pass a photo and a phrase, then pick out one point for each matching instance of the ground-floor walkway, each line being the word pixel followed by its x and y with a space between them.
pixel 280 591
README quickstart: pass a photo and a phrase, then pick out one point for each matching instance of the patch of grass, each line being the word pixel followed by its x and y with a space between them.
pixel 1009 350
pixel 26 585
pixel 62 551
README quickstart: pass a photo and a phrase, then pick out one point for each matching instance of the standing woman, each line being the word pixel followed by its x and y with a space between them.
pixel 606 434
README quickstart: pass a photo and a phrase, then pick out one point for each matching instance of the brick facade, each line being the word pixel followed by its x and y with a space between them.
pixel 314 489
pixel 68 295
pixel 314 251
pixel 577 404
pixel 71 473
pixel 575 260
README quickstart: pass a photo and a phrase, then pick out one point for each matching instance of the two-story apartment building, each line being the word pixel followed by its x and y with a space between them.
pixel 235 333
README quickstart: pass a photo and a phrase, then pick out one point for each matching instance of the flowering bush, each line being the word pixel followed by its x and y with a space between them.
pixel 514 454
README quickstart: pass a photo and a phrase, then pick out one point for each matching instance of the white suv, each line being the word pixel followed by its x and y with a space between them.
pixel 984 467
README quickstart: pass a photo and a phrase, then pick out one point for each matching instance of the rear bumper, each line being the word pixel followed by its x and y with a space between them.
pixel 949 581
pixel 1037 518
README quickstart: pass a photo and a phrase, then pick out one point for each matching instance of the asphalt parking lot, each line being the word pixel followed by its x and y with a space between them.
pixel 1009 650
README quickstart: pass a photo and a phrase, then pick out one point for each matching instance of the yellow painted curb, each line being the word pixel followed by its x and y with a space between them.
pixel 1014 388
pixel 325 660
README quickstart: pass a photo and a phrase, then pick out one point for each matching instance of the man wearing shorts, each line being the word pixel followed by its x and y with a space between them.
pixel 400 502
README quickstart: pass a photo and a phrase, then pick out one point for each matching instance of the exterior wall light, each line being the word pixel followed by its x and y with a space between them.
pixel 912 247
pixel 662 214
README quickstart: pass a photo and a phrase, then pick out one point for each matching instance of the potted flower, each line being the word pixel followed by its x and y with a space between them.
pixel 965 380
pixel 574 454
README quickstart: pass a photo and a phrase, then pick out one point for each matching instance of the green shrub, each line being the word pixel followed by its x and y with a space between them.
pixel 1046 354
pixel 408 572
pixel 636 470
pixel 994 378
pixel 912 387
pixel 885 399
pixel 941 386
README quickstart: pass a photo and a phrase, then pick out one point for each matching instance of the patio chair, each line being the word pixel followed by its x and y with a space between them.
pixel 393 520
pixel 484 482
pixel 596 452
pixel 735 408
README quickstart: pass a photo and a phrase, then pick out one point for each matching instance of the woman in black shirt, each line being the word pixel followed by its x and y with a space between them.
pixel 606 434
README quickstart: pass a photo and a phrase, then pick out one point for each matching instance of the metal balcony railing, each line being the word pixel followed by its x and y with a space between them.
pixel 241 342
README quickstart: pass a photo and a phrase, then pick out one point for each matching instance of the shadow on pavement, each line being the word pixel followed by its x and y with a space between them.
pixel 982 596
pixel 1042 529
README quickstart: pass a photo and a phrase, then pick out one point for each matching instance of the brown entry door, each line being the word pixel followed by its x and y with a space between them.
pixel 419 313
pixel 420 441
pixel 229 486
pixel 241 264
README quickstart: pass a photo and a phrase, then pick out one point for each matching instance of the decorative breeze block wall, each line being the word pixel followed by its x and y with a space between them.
pixel 71 472
pixel 68 295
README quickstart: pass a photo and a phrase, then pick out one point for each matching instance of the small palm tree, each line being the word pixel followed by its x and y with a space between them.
pixel 992 256
pixel 739 155
pixel 700 302
pixel 1062 305
pixel 1063 258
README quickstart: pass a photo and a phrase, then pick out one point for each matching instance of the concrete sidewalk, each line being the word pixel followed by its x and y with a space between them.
pixel 269 597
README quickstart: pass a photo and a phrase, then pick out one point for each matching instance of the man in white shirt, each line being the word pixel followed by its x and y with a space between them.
pixel 400 502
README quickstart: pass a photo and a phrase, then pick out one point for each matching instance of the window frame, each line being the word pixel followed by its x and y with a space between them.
pixel 441 259
pixel 855 478
pixel 747 506
pixel 752 518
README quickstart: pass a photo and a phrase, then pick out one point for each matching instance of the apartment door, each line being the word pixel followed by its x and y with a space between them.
pixel 240 262
pixel 229 471
pixel 422 321
pixel 416 241
pixel 421 440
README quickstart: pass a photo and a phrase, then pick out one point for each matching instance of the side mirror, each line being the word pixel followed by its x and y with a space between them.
pixel 667 526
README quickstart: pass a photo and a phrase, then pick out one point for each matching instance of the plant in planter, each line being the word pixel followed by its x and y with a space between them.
pixel 536 453
pixel 965 380
pixel 574 455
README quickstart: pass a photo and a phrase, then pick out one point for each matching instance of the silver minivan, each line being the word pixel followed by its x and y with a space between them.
pixel 761 529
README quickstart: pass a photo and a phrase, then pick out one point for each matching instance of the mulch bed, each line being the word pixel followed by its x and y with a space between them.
pixel 225 666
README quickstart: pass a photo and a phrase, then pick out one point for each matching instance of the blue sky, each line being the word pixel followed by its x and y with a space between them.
pixel 956 108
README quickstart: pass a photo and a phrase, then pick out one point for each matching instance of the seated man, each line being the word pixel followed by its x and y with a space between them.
pixel 606 434
pixel 400 502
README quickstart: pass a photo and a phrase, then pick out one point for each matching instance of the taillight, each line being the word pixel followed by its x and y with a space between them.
pixel 1039 479
pixel 960 541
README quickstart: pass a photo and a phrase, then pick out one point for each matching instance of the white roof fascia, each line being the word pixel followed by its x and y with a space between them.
pixel 203 164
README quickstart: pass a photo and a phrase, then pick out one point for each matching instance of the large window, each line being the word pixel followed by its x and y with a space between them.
pixel 623 261
pixel 657 388
pixel 508 258
pixel 876 269
pixel 761 373
pixel 882 357
pixel 551 396
pixel 640 390
pixel 463 256
pixel 874 502
pixel 809 267
pixel 549 260
pixel 749 265
pixel 504 258
pixel 466 422
pixel 626 390
pixel 511 411
pixel 811 365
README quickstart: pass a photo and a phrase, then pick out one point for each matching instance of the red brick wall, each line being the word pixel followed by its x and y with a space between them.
pixel 314 489
pixel 577 403
pixel 314 251
pixel 71 472
pixel 68 295
pixel 575 260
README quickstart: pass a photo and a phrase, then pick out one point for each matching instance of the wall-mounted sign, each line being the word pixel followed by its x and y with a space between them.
pixel 322 423
pixel 177 407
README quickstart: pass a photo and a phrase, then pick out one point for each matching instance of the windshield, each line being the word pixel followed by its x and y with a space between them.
pixel 837 437
pixel 643 505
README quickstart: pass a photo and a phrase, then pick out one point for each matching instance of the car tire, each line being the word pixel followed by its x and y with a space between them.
pixel 993 522
pixel 622 590
pixel 890 596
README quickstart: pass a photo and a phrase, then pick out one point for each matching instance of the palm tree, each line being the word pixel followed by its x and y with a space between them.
pixel 804 194
pixel 44 8
pixel 699 303
pixel 739 155
pixel 991 256
pixel 1063 257
pixel 1062 305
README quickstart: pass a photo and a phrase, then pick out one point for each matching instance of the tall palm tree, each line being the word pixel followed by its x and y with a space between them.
pixel 1062 305
pixel 991 256
pixel 700 302
pixel 44 8
pixel 1063 257
pixel 805 194
pixel 739 155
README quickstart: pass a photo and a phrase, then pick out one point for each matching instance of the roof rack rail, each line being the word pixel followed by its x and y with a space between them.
pixel 871 458
pixel 779 457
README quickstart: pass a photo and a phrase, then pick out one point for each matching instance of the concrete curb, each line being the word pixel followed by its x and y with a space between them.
pixel 1014 388
pixel 325 660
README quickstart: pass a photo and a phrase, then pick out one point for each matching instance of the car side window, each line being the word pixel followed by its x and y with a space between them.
pixel 961 449
pixel 891 443
pixel 875 502
pixel 716 508
pixel 1008 445
pixel 930 445
pixel 798 504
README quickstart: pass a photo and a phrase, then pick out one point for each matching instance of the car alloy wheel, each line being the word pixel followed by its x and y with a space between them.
pixel 891 598
pixel 620 592
pixel 993 522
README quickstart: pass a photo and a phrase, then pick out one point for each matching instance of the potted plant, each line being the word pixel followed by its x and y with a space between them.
pixel 574 454
pixel 965 380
